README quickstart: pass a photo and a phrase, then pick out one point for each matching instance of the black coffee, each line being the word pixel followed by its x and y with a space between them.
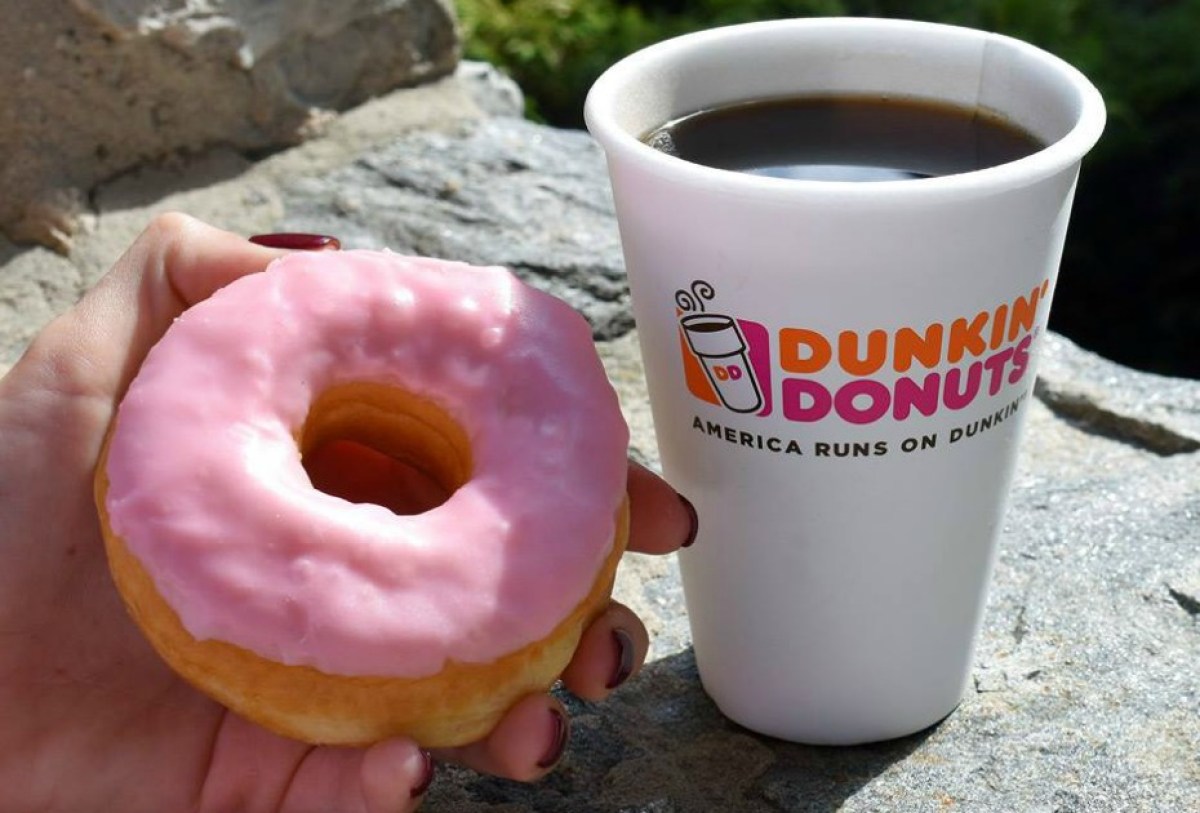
pixel 844 138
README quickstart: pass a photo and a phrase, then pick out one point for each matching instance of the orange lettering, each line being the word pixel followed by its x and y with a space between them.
pixel 793 344
pixel 848 352
pixel 1024 311
pixel 965 337
pixel 998 326
pixel 911 345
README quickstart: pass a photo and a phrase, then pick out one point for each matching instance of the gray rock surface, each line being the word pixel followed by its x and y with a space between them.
pixel 501 191
pixel 1086 690
pixel 1162 414
pixel 92 88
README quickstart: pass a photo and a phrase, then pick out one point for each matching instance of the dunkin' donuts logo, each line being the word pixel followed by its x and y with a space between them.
pixel 721 366
pixel 894 374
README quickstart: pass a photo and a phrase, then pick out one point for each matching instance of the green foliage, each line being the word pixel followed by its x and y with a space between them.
pixel 554 49
pixel 1141 53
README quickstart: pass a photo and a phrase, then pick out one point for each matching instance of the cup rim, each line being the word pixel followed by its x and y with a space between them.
pixel 691 318
pixel 1051 159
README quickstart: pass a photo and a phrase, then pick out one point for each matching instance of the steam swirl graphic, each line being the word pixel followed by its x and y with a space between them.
pixel 693 299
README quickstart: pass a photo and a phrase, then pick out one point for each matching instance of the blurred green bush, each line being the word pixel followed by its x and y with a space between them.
pixel 1131 282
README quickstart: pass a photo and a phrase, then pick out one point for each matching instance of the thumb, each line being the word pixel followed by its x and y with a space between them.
pixel 95 348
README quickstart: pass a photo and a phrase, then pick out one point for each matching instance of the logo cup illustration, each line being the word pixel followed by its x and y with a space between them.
pixel 715 340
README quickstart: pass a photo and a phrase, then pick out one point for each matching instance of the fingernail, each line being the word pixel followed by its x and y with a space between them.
pixel 297 241
pixel 426 777
pixel 625 655
pixel 561 733
pixel 693 518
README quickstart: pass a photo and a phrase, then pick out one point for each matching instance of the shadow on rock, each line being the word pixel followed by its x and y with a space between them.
pixel 148 185
pixel 660 745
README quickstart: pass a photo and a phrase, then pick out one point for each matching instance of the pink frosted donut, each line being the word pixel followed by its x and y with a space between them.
pixel 490 387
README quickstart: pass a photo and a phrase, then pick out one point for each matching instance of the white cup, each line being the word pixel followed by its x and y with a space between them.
pixel 849 510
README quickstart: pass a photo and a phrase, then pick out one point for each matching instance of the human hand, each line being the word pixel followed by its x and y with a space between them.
pixel 93 719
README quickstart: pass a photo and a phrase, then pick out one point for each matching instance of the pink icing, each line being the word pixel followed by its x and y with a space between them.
pixel 208 491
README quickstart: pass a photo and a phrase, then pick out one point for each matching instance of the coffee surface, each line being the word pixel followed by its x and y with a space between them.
pixel 844 138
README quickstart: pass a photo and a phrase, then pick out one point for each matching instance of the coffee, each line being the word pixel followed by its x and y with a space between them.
pixel 844 138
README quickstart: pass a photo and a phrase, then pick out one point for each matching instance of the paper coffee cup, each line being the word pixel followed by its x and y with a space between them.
pixel 839 371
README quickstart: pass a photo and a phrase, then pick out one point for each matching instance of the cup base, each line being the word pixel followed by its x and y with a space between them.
pixel 828 736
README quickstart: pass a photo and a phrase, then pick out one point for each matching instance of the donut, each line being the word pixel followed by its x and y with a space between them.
pixel 327 618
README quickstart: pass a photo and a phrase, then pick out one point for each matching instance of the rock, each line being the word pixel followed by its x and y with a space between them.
pixel 1085 693
pixel 221 186
pixel 498 191
pixel 1160 413
pixel 93 88
pixel 494 92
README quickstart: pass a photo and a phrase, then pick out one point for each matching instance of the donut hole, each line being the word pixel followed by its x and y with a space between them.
pixel 369 443
pixel 359 474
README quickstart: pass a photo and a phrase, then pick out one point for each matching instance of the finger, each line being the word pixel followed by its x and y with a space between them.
pixel 297 241
pixel 96 347
pixel 389 777
pixel 660 519
pixel 395 773
pixel 610 652
pixel 526 744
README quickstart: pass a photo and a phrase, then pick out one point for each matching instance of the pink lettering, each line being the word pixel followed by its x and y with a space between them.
pixel 850 411
pixel 958 395
pixel 910 394
pixel 798 391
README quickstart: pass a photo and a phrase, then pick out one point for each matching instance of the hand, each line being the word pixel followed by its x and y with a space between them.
pixel 92 719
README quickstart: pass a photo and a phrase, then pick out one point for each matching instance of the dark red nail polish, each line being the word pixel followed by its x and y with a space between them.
pixel 426 778
pixel 693 519
pixel 562 733
pixel 625 655
pixel 297 241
